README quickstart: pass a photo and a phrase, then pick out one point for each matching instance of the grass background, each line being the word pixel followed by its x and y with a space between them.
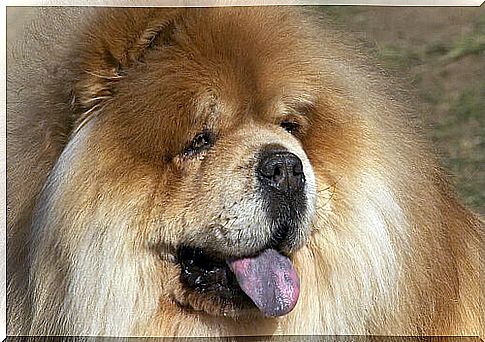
pixel 441 50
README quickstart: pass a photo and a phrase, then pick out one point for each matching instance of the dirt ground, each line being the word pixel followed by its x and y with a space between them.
pixel 441 51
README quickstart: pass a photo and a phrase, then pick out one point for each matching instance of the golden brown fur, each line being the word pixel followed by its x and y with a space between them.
pixel 100 102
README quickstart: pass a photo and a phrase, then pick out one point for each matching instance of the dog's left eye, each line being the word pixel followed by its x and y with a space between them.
pixel 290 126
pixel 201 142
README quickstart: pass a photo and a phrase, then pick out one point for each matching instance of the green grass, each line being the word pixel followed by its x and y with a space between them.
pixel 396 57
pixel 472 43
pixel 468 45
pixel 460 134
pixel 469 104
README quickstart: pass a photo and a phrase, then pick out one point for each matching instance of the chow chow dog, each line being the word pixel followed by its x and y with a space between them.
pixel 223 171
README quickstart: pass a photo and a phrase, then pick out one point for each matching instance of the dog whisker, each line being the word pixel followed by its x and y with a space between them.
pixel 106 77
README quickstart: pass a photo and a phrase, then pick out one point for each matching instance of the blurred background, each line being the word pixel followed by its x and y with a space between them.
pixel 441 52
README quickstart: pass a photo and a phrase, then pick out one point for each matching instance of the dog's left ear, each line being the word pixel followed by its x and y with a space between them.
pixel 116 40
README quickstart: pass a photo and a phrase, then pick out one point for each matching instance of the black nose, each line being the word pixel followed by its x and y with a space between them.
pixel 281 171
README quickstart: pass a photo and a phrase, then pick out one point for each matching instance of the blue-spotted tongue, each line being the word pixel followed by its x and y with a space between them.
pixel 270 280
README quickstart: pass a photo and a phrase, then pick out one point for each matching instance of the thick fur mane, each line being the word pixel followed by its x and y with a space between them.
pixel 392 252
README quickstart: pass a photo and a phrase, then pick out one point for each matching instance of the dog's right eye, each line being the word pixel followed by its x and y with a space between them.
pixel 290 126
pixel 201 142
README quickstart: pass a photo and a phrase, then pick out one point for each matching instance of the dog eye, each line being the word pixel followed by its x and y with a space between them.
pixel 202 141
pixel 290 126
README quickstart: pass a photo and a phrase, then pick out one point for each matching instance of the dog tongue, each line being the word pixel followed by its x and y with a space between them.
pixel 270 280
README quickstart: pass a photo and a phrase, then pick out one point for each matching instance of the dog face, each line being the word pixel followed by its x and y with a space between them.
pixel 208 135
pixel 241 192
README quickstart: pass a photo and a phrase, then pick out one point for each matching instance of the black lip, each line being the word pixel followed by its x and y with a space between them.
pixel 208 275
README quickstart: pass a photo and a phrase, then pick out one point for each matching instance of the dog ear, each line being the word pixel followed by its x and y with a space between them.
pixel 104 59
pixel 157 37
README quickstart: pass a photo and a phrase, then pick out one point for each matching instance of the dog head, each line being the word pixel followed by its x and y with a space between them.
pixel 214 125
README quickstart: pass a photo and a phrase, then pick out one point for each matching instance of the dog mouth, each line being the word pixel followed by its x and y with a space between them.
pixel 266 281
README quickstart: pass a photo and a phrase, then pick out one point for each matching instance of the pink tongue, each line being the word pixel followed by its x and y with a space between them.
pixel 270 280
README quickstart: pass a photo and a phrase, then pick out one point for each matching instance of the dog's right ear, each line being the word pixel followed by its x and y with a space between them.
pixel 104 59
pixel 155 37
